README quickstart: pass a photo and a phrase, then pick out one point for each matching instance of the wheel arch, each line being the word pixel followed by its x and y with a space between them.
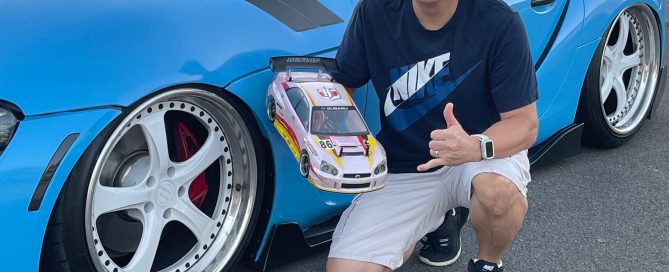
pixel 261 145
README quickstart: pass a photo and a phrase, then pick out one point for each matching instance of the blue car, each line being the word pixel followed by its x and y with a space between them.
pixel 133 134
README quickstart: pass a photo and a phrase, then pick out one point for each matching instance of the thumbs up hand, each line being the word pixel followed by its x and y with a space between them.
pixel 451 146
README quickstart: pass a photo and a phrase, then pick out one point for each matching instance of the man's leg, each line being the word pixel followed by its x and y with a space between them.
pixel 497 210
pixel 379 228
pixel 344 265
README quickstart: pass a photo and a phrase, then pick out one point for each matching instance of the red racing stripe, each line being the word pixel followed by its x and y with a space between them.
pixel 290 130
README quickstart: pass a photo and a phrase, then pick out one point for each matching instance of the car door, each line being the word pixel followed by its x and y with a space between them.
pixel 541 19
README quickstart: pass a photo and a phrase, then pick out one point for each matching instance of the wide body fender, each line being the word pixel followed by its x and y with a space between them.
pixel 23 164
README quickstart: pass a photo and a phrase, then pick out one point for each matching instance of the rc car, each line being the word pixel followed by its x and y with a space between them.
pixel 322 126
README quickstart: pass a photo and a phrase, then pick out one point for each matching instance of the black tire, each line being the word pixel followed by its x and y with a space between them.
pixel 304 164
pixel 598 132
pixel 271 109
pixel 65 243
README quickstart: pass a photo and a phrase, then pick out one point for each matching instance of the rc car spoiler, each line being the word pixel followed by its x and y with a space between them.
pixel 281 64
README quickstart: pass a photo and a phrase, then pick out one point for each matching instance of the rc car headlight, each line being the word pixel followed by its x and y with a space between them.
pixel 380 168
pixel 8 124
pixel 329 168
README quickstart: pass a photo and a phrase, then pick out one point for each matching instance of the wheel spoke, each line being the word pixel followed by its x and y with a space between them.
pixel 188 170
pixel 621 94
pixel 194 219
pixel 154 130
pixel 109 199
pixel 629 61
pixel 623 34
pixel 609 54
pixel 148 246
pixel 607 86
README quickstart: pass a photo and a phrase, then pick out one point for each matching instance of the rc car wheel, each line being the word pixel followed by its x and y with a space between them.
pixel 271 109
pixel 622 79
pixel 304 163
pixel 171 185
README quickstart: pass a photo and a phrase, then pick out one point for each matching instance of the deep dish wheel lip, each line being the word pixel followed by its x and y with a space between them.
pixel 248 191
pixel 650 65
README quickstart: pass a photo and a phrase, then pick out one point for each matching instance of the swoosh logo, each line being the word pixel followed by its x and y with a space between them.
pixel 414 80
pixel 429 95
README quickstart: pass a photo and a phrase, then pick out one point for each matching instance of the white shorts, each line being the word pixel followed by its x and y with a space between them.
pixel 379 226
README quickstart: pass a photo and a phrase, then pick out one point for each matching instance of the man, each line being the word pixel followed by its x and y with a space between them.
pixel 456 83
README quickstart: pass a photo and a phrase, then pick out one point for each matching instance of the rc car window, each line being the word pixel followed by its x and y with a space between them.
pixel 294 95
pixel 299 103
pixel 326 120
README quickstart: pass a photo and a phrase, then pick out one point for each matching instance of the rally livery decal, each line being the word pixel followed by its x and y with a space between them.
pixel 323 128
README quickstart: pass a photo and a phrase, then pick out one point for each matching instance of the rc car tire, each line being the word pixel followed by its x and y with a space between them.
pixel 66 247
pixel 271 109
pixel 304 164
pixel 605 125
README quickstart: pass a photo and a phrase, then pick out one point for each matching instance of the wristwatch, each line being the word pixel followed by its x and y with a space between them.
pixel 487 147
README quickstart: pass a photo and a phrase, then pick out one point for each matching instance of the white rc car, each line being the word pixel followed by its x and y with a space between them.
pixel 322 126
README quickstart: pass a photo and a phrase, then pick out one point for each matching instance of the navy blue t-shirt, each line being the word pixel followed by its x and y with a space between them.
pixel 480 61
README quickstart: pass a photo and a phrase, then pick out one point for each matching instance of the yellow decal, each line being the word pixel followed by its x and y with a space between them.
pixel 372 145
pixel 286 137
pixel 331 152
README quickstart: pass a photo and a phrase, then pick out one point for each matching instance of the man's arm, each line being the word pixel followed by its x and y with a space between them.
pixel 515 132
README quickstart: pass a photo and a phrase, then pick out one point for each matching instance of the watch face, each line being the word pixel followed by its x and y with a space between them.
pixel 488 149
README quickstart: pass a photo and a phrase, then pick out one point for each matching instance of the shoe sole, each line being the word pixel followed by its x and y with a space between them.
pixel 445 263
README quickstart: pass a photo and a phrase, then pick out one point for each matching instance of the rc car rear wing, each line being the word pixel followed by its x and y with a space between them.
pixel 287 63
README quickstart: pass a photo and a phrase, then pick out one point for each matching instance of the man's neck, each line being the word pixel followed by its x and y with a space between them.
pixel 434 15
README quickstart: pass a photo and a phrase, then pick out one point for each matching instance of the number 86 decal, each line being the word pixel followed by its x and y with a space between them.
pixel 325 144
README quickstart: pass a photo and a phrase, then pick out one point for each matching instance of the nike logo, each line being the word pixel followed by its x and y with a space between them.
pixel 418 90
pixel 413 80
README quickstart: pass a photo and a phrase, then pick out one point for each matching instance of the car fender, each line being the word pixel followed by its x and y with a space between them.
pixel 27 159
pixel 599 15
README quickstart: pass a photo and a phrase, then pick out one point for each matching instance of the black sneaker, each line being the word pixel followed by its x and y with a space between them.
pixel 483 266
pixel 442 247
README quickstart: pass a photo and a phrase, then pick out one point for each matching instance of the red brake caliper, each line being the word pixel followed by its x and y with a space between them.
pixel 187 145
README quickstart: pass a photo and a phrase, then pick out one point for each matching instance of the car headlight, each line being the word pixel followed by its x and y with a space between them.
pixel 380 168
pixel 329 168
pixel 8 124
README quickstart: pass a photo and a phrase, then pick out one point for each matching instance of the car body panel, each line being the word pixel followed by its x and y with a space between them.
pixel 540 22
pixel 22 165
pixel 600 14
pixel 114 53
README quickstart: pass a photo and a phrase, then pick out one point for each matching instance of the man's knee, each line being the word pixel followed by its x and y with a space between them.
pixel 497 194
pixel 345 265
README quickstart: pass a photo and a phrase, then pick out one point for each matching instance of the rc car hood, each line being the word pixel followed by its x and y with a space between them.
pixel 348 153
pixel 102 53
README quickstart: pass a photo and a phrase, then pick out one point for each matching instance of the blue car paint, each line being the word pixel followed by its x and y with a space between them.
pixel 115 52
pixel 21 166
pixel 88 54
pixel 600 14
pixel 539 22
